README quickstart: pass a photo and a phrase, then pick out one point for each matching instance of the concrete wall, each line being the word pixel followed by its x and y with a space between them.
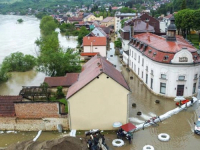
pixel 98 105
pixel 100 49
pixel 45 124
pixel 37 110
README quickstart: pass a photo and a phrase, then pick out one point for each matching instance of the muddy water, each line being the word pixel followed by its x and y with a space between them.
pixel 21 37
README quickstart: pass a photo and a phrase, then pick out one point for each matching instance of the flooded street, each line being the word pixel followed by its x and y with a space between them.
pixel 21 37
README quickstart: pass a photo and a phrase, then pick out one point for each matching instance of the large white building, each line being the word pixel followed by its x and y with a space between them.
pixel 168 65
pixel 120 16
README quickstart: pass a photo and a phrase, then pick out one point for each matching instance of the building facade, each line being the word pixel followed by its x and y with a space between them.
pixel 168 65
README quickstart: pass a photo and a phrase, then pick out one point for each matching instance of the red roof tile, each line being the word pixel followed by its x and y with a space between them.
pixel 95 41
pixel 65 81
pixel 160 47
pixel 93 68
pixel 88 54
pixel 7 108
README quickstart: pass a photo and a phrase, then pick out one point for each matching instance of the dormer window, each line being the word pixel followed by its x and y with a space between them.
pixel 150 51
pixel 154 54
pixel 195 56
pixel 166 57
pixel 144 47
pixel 141 44
pixel 195 76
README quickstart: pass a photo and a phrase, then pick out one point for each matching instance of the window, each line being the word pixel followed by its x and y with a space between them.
pixel 163 76
pixel 142 61
pixel 138 71
pixel 135 68
pixel 142 74
pixel 150 51
pixel 132 54
pixel 146 78
pixel 181 78
pixel 135 56
pixel 162 88
pixel 194 88
pixel 146 68
pixel 151 72
pixel 166 57
pixel 195 76
pixel 138 59
pixel 151 83
pixel 132 64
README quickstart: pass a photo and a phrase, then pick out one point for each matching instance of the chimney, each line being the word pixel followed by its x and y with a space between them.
pixel 149 38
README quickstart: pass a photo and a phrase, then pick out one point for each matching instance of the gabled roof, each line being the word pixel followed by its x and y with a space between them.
pixel 141 26
pixel 95 41
pixel 7 108
pixel 107 19
pixel 65 81
pixel 88 53
pixel 99 32
pixel 93 68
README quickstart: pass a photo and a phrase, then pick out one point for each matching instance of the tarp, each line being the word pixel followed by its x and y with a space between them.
pixel 128 127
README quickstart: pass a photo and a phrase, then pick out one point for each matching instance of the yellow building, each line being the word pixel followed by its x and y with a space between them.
pixel 108 21
pixel 99 97
pixel 91 17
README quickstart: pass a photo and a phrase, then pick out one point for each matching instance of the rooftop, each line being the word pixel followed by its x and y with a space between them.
pixel 65 81
pixel 107 19
pixel 93 68
pixel 95 41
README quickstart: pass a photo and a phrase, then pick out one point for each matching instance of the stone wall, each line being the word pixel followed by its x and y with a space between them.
pixel 44 124
pixel 38 110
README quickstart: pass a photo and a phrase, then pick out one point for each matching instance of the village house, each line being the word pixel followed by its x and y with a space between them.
pixel 168 66
pixel 65 82
pixel 94 45
pixel 99 97
pixel 99 32
pixel 108 21
pixel 74 19
pixel 91 17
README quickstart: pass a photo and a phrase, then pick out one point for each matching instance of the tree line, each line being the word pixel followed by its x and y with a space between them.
pixel 186 20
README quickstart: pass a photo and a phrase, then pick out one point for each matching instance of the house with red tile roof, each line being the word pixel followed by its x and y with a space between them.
pixel 168 65
pixel 99 97
pixel 65 81
pixel 94 45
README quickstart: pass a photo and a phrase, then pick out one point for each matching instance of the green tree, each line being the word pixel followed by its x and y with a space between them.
pixel 47 25
pixel 127 10
pixel 118 43
pixel 82 32
pixel 20 20
pixel 45 89
pixel 18 62
pixel 183 4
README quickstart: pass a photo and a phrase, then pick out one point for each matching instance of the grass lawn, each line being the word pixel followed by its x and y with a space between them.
pixel 194 38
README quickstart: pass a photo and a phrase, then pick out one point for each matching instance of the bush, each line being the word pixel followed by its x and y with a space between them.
pixel 59 92
pixel 18 62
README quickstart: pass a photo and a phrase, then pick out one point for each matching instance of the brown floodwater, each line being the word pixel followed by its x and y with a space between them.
pixel 20 37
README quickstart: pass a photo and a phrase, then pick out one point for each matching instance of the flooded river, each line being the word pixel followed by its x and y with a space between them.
pixel 20 37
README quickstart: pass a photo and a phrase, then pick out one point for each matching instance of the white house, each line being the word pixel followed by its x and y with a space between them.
pixel 168 65
pixel 120 16
pixel 94 45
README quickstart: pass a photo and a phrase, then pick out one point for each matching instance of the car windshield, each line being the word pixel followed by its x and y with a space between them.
pixel 198 123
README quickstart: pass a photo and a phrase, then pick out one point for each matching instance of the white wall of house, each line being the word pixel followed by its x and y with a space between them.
pixel 117 24
pixel 125 45
pixel 174 73
pixel 125 58
pixel 96 106
pixel 100 49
